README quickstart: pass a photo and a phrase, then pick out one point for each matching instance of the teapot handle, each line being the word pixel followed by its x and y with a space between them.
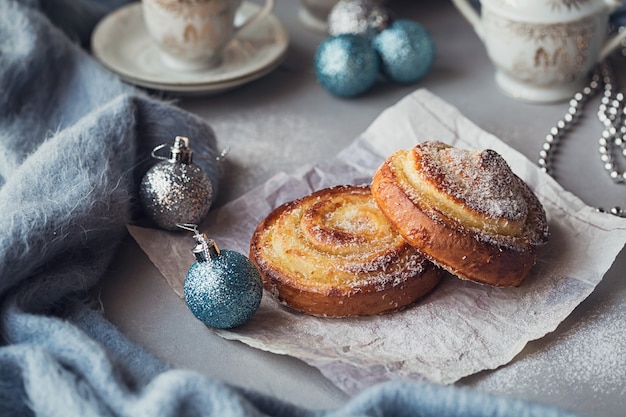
pixel 471 15
pixel 611 44
pixel 614 42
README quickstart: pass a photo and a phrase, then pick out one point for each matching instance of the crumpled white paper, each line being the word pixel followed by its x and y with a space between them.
pixel 459 329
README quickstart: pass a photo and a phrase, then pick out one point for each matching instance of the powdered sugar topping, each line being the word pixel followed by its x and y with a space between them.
pixel 482 180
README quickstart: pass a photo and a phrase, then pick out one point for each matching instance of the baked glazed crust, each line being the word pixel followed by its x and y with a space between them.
pixel 486 239
pixel 334 254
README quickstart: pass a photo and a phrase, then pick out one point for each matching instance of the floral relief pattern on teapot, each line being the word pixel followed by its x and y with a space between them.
pixel 552 53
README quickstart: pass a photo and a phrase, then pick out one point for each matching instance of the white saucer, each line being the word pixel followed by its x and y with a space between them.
pixel 120 41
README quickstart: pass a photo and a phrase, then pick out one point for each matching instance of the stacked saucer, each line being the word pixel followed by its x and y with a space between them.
pixel 122 44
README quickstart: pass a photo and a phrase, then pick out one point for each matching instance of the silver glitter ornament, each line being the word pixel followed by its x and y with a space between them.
pixel 222 288
pixel 176 190
pixel 358 17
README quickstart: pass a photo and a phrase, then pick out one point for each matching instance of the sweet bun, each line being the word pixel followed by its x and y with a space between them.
pixel 334 254
pixel 465 210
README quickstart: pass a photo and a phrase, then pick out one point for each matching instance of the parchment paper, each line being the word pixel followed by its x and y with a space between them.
pixel 459 329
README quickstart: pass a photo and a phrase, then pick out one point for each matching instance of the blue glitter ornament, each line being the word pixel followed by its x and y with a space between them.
pixel 223 289
pixel 346 65
pixel 406 50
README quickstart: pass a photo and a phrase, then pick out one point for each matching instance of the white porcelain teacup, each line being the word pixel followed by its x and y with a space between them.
pixel 543 50
pixel 192 34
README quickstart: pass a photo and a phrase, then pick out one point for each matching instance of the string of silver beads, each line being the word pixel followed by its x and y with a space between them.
pixel 558 131
pixel 611 114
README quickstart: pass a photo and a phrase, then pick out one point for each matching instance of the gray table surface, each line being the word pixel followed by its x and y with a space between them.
pixel 285 120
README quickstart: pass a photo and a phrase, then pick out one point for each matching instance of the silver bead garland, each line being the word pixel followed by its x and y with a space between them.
pixel 612 116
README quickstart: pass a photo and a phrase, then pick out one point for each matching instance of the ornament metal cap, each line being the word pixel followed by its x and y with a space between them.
pixel 179 151
pixel 205 248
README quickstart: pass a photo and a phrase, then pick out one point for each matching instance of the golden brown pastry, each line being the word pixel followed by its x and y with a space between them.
pixel 465 210
pixel 334 254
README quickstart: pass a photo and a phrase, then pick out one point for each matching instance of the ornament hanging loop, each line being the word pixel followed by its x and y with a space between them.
pixel 205 248
pixel 156 149
pixel 179 152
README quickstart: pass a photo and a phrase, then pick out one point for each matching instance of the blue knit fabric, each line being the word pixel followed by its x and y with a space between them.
pixel 74 141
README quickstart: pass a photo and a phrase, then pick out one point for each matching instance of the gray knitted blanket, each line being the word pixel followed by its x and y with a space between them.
pixel 74 141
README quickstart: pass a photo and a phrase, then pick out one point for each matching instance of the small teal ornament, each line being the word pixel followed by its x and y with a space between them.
pixel 406 50
pixel 222 288
pixel 346 65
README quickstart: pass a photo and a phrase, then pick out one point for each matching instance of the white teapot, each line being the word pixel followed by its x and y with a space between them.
pixel 543 49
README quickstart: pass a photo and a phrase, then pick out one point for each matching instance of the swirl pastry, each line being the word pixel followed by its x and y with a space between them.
pixel 465 210
pixel 334 254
